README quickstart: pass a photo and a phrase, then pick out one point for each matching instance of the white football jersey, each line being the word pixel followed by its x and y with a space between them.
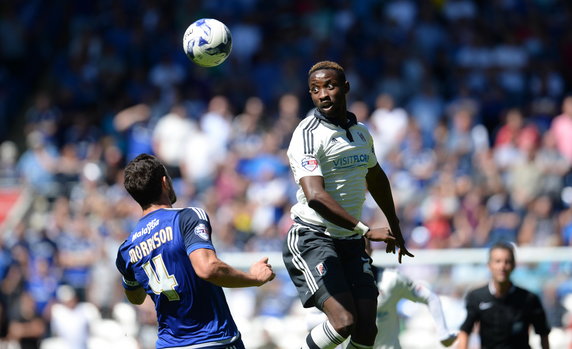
pixel 342 156
pixel 394 287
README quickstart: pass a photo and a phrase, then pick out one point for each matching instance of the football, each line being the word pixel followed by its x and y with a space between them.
pixel 207 42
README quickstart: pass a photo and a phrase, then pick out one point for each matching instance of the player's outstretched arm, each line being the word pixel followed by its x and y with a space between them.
pixel 208 267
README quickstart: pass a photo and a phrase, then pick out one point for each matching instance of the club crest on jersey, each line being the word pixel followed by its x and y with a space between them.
pixel 309 163
pixel 202 231
pixel 321 269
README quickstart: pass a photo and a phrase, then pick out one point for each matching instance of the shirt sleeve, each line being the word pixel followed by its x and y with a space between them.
pixel 128 276
pixel 412 290
pixel 196 229
pixel 303 154
pixel 539 321
pixel 472 313
pixel 373 158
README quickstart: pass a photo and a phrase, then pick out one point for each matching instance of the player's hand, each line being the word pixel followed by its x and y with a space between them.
pixel 400 244
pixel 402 251
pixel 390 247
pixel 380 234
pixel 262 271
pixel 449 340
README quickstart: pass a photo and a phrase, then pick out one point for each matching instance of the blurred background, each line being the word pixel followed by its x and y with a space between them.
pixel 469 103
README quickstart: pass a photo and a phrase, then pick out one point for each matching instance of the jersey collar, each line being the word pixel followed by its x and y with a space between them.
pixel 351 119
pixel 493 289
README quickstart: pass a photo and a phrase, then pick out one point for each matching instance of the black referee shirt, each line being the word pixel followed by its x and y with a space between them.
pixel 505 322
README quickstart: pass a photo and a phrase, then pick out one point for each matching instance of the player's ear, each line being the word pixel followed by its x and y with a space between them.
pixel 165 182
pixel 346 87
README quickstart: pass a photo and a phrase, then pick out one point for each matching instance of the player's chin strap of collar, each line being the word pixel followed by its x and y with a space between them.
pixel 351 120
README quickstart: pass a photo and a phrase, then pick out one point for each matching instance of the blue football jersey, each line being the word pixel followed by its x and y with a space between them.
pixel 190 311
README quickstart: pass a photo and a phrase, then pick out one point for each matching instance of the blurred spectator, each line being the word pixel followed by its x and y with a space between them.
pixel 389 125
pixel 418 160
pixel 561 128
pixel 166 75
pixel 287 118
pixel 247 127
pixel 514 129
pixel 77 253
pixel 565 218
pixel 216 123
pixel 43 116
pixel 42 283
pixel 133 123
pixel 200 161
pixel 465 140
pixel 426 108
pixel 539 226
pixel 38 165
pixel 70 319
pixel 505 221
pixel 8 161
pixel 524 176
pixel 437 211
pixel 472 222
pixel 169 137
pixel 27 326
pixel 554 166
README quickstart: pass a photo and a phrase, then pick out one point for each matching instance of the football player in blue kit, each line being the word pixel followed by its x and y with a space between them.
pixel 170 257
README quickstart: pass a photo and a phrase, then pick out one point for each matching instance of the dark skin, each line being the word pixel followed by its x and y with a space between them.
pixel 349 316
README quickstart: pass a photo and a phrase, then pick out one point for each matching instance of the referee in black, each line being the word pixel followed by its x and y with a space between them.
pixel 504 311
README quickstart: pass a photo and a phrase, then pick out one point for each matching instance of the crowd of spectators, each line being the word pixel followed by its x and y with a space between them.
pixel 466 100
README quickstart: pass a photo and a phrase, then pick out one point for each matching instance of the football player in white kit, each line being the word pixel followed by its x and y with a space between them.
pixel 333 162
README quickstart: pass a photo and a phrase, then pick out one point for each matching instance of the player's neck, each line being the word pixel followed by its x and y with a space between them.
pixel 155 208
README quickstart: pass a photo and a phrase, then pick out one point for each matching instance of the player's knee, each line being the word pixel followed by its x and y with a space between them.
pixel 343 323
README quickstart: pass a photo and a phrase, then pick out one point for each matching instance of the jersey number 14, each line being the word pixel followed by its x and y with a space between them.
pixel 159 279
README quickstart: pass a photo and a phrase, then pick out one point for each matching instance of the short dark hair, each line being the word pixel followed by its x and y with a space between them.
pixel 143 179
pixel 328 65
pixel 503 245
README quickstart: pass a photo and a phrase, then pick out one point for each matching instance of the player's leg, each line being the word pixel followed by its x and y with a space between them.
pixel 315 270
pixel 365 329
pixel 358 268
pixel 339 324
pixel 341 313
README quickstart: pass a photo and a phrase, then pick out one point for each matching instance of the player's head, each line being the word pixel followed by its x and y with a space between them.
pixel 148 182
pixel 501 261
pixel 328 88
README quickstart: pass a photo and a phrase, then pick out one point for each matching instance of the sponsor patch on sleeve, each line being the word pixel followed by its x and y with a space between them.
pixel 202 231
pixel 309 163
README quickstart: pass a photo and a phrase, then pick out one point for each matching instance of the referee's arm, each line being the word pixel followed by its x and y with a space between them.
pixel 468 324
pixel 540 323
pixel 544 342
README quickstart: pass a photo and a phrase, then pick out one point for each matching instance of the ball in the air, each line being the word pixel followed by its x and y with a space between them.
pixel 207 42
